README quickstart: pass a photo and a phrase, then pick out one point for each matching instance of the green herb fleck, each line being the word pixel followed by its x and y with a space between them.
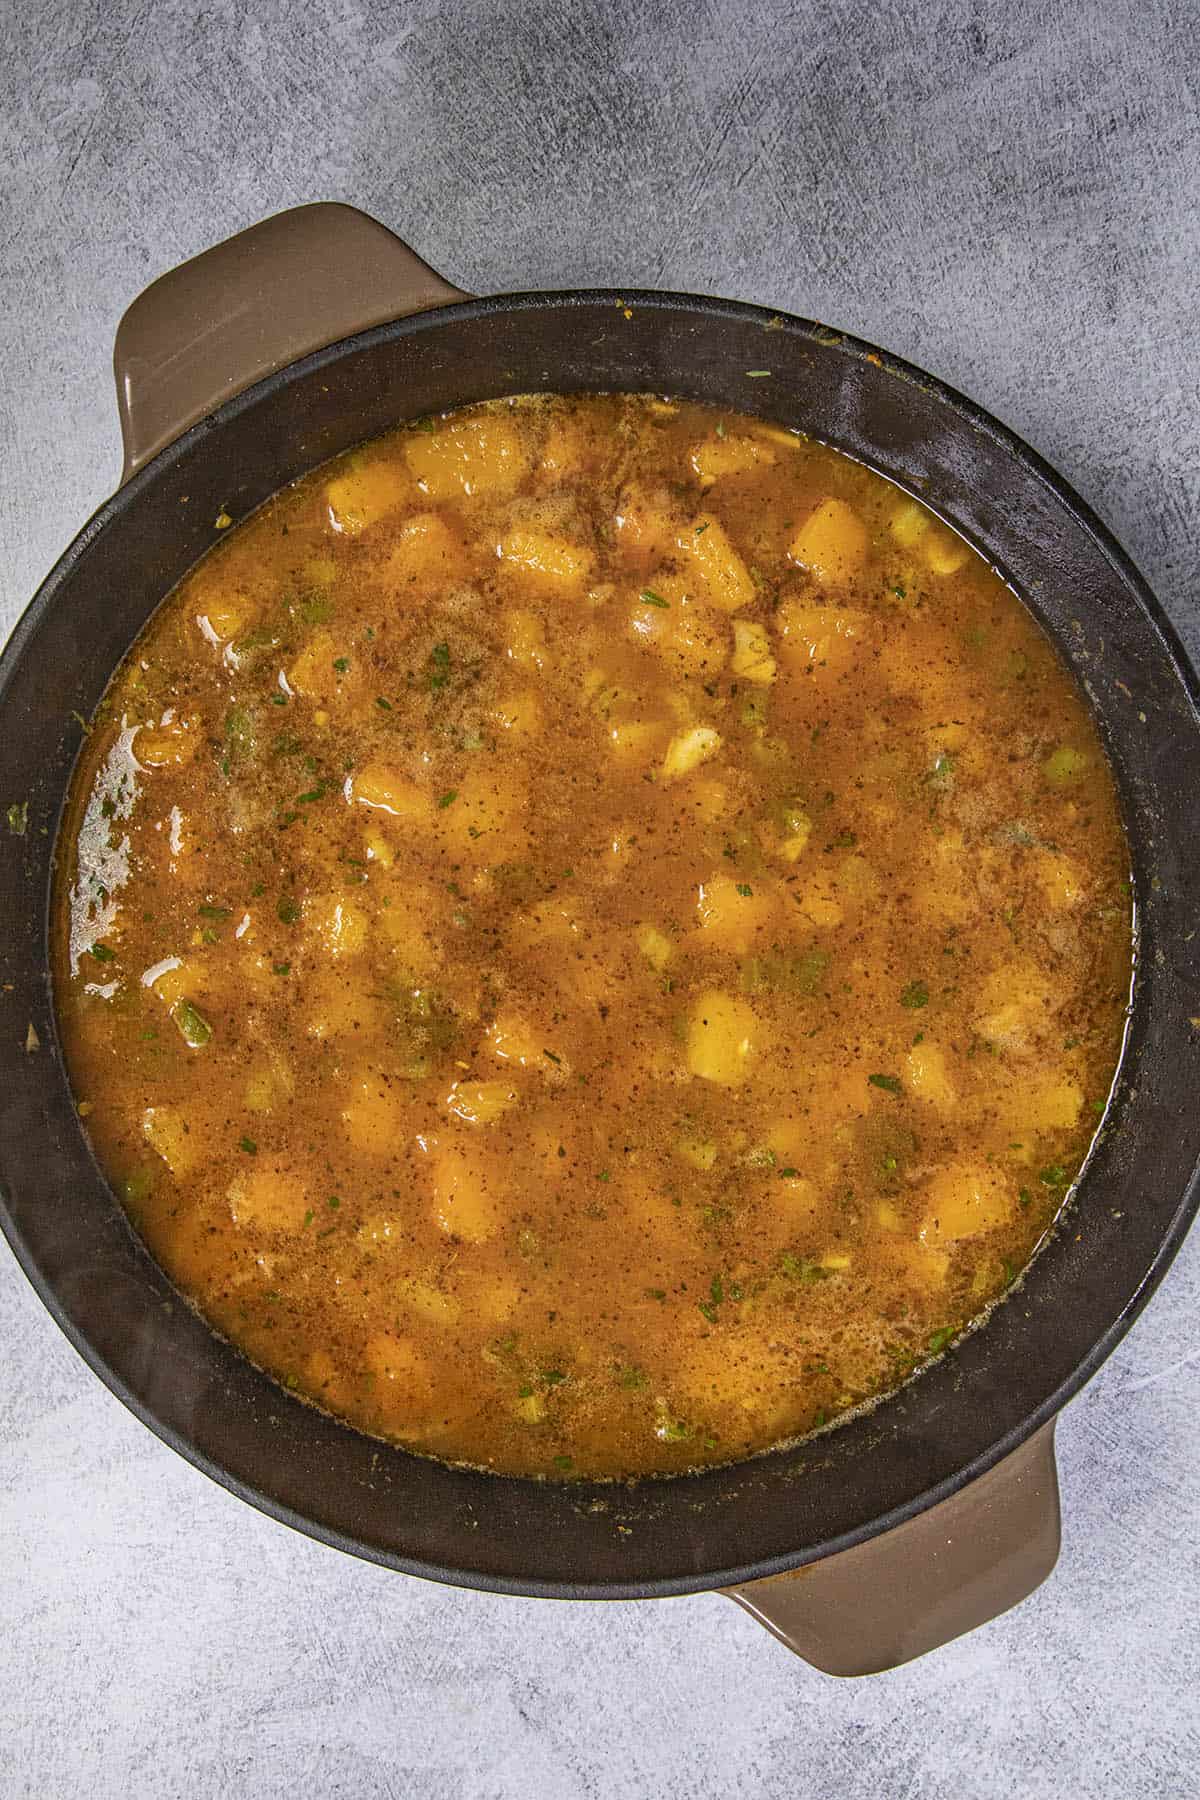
pixel 653 599
pixel 18 818
pixel 745 890
pixel 102 953
pixel 889 1083
pixel 341 664
pixel 915 995
pixel 1053 1175
pixel 940 1338
pixel 248 1145
pixel 448 798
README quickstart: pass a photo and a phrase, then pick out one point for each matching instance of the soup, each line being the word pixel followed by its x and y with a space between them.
pixel 593 936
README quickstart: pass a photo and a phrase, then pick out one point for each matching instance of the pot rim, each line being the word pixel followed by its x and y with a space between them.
pixel 127 497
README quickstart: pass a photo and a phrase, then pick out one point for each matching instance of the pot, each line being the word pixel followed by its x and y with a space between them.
pixel 896 1529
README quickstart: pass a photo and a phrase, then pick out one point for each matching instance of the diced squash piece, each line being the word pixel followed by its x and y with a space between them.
pixel 752 659
pixel 668 616
pixel 646 524
pixel 268 1199
pixel 381 786
pixel 402 1382
pixel 922 1265
pixel 820 637
pixel 714 457
pixel 339 926
pixel 517 715
pixel 482 1102
pixel 178 979
pixel 1047 1106
pixel 374 1115
pixel 524 639
pixel 724 576
pixel 793 841
pixel 377 848
pixel 722 1036
pixel 481 455
pixel 365 492
pixel 484 819
pixel 732 913
pixel 513 1038
pixel 225 615
pixel 927 1078
pixel 314 675
pixel 1065 766
pixel 167 1130
pixel 428 1302
pixel 467 1202
pixel 1060 879
pixel 637 741
pixel 817 900
pixel 554 563
pixel 408 924
pixel 964 1199
pixel 654 945
pixel 707 800
pixel 700 1153
pixel 269 1086
pixel 688 749
pixel 1016 1003
pixel 832 542
pixel 167 746
pixel 909 523
pixel 337 1007
pixel 426 552
pixel 944 552
pixel 565 448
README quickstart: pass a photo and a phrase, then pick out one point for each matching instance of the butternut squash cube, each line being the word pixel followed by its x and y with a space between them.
pixel 482 1102
pixel 366 490
pixel 714 457
pixel 821 637
pixel 482 820
pixel 722 1036
pixel 268 1199
pixel 724 576
pixel 467 1202
pixel 426 553
pixel 927 1078
pixel 688 749
pixel 909 523
pixel 167 1129
pixel 832 543
pixel 339 926
pixel 965 1199
pixel 733 912
pixel 554 563
pixel 379 785
pixel 374 1115
pixel 483 455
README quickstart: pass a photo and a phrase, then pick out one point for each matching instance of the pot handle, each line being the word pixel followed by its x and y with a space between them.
pixel 949 1569
pixel 290 284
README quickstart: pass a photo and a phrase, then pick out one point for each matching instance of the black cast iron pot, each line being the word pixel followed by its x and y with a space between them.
pixel 893 1531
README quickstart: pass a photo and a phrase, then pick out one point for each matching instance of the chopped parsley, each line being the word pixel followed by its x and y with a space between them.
pixel 915 995
pixel 653 599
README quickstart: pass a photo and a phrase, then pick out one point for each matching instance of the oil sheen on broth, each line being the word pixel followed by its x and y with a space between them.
pixel 594 936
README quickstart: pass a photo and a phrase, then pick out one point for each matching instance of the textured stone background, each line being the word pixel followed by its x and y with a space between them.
pixel 1009 195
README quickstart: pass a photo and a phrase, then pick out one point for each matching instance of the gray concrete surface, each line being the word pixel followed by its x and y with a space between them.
pixel 1009 195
